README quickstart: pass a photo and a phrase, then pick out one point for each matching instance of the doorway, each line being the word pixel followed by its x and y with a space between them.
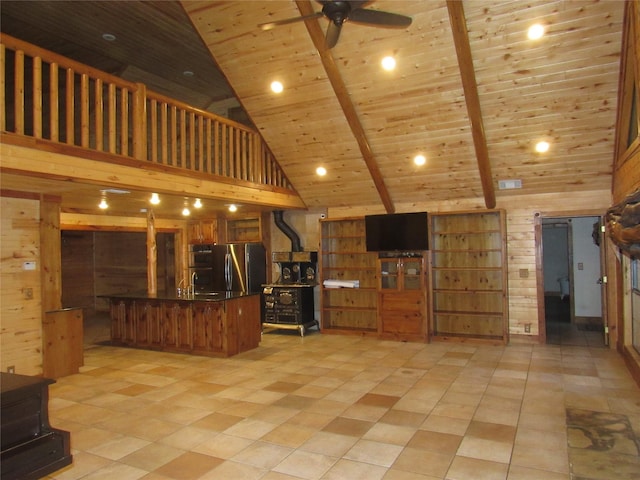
pixel 574 313
pixel 97 263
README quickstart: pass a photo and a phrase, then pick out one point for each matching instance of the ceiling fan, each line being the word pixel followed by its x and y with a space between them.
pixel 339 12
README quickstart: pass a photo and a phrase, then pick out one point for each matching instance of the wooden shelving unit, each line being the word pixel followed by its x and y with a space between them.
pixel 244 229
pixel 343 256
pixel 469 276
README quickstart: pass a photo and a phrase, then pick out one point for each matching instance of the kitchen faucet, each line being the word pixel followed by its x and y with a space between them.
pixel 192 287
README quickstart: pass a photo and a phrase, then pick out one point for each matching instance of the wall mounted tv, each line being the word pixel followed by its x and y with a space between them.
pixel 397 232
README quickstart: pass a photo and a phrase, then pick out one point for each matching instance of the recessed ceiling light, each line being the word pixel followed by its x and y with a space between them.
pixel 419 160
pixel 321 171
pixel 109 37
pixel 542 147
pixel 276 87
pixel 388 63
pixel 535 32
pixel 233 208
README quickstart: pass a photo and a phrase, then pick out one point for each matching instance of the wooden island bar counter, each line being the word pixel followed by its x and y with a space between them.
pixel 218 324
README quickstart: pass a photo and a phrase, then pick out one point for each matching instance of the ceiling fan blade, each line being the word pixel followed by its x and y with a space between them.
pixel 286 21
pixel 378 18
pixel 333 34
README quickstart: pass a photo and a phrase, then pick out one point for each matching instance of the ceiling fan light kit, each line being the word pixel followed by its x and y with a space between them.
pixel 339 12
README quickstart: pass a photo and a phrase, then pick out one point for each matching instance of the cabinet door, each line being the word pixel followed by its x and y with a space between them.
pixel 129 336
pixel 208 231
pixel 118 313
pixel 202 326
pixel 170 321
pixel 194 232
pixel 142 323
pixel 185 332
pixel 389 269
pixel 413 274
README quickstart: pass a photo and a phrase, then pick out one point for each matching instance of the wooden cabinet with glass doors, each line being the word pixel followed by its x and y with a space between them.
pixel 402 298
pixel 469 276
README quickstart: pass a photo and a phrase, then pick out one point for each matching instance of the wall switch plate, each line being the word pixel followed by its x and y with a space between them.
pixel 29 265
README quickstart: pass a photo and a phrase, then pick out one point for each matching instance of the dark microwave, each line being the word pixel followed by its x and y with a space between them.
pixel 200 256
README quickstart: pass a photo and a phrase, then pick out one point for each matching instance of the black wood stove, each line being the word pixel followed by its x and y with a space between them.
pixel 289 302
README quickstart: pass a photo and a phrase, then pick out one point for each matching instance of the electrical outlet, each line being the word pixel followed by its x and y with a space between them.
pixel 527 328
pixel 11 369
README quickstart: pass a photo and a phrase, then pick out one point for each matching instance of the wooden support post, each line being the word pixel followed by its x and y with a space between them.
pixel 152 255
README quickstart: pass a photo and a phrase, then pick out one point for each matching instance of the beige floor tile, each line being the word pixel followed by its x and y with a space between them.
pixel 189 466
pixel 556 460
pixel 329 444
pixel 464 468
pixel 375 453
pixel 222 446
pixel 117 470
pixel 118 447
pixel 517 472
pixel 262 455
pixel 352 470
pixel 348 426
pixel 152 456
pixel 393 474
pixel 307 465
pixel 485 449
pixel 234 470
pixel 492 431
pixel 289 435
pixel 424 462
pixel 387 433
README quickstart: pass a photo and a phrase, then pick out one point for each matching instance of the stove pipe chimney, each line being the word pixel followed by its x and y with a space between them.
pixel 278 218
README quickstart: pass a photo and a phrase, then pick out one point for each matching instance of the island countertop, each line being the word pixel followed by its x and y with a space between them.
pixel 173 296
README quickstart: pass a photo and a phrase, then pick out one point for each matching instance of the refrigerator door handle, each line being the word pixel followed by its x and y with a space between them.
pixel 227 271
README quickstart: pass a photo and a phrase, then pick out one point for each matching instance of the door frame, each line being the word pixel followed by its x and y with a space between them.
pixel 538 220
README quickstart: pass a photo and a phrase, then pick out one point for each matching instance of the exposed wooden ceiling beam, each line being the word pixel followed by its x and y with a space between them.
pixel 333 74
pixel 470 87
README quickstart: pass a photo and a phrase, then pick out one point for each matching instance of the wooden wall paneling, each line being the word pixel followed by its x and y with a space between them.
pixel 78 283
pixel 20 289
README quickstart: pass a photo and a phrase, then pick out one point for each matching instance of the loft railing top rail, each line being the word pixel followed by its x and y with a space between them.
pixel 62 61
pixel 189 108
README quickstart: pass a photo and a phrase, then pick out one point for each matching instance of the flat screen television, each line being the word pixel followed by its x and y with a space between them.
pixel 397 232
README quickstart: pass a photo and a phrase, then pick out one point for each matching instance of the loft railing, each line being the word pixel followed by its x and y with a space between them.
pixel 47 96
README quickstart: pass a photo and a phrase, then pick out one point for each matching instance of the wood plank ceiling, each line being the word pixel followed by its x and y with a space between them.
pixel 562 88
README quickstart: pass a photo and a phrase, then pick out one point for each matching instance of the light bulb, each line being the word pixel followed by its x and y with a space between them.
pixel 535 32
pixel 155 199
pixel 186 212
pixel 197 203
pixel 321 171
pixel 103 205
pixel 276 87
pixel 419 160
pixel 388 63
pixel 233 208
pixel 542 147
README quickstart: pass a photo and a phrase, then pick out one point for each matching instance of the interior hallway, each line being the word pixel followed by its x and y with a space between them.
pixel 344 407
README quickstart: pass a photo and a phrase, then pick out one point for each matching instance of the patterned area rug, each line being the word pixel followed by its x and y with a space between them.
pixel 602 446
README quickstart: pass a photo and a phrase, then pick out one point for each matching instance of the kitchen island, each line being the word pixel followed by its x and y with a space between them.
pixel 218 324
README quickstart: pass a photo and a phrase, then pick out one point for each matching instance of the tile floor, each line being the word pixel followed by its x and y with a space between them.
pixel 342 407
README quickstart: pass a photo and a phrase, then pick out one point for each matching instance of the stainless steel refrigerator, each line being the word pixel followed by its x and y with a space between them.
pixel 239 267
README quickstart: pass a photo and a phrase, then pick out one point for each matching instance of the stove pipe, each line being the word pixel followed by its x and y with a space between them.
pixel 278 218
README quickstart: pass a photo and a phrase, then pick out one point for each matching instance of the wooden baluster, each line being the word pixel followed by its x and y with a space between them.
pixel 174 136
pixel 183 139
pixel 70 107
pixel 232 152
pixel 201 158
pixel 84 110
pixel 216 146
pixel 124 122
pixel 192 142
pixel 99 115
pixel 154 131
pixel 164 138
pixel 54 114
pixel 139 122
pixel 19 92
pixel 3 83
pixel 37 97
pixel 112 118
pixel 224 151
pixel 209 164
